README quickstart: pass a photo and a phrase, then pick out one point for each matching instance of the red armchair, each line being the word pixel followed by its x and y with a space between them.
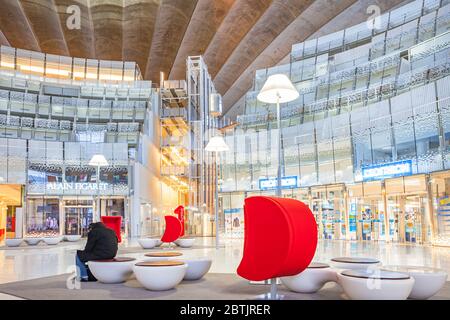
pixel 280 238
pixel 173 229
pixel 115 223
pixel 179 211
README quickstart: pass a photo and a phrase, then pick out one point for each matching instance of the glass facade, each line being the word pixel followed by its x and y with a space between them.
pixel 373 105
pixel 57 112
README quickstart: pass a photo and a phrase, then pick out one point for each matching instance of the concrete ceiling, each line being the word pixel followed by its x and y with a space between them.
pixel 236 37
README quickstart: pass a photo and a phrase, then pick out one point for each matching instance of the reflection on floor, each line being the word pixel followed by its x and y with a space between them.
pixel 36 262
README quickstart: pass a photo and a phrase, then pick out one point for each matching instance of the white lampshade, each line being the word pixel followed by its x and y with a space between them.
pixel 216 144
pixel 279 88
pixel 98 160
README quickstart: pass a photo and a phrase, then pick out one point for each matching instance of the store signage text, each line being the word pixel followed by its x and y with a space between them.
pixel 272 183
pixel 388 170
pixel 67 186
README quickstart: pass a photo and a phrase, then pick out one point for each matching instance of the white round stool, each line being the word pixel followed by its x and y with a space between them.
pixel 160 275
pixel 185 242
pixel 115 270
pixel 52 240
pixel 72 238
pixel 197 268
pixel 33 241
pixel 148 243
pixel 377 285
pixel 428 281
pixel 311 280
pixel 13 242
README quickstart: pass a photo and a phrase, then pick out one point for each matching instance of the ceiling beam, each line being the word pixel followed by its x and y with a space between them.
pixel 241 18
pixel 16 27
pixel 107 24
pixel 139 19
pixel 276 18
pixel 80 42
pixel 171 23
pixel 3 40
pixel 206 19
pixel 44 21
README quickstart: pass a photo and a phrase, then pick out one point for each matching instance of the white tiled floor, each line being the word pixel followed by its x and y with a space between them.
pixel 36 262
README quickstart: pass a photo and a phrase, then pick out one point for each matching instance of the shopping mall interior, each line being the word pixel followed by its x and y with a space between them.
pixel 232 149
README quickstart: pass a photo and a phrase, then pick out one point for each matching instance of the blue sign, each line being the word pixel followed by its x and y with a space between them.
pixel 230 211
pixel 387 170
pixel 272 183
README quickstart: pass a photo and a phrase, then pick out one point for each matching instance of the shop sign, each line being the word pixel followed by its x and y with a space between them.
pixel 70 186
pixel 388 170
pixel 272 183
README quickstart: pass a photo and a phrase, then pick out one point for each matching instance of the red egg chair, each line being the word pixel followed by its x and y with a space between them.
pixel 179 211
pixel 115 223
pixel 280 238
pixel 173 229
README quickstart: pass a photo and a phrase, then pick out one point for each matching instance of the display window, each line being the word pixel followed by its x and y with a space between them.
pixel 43 217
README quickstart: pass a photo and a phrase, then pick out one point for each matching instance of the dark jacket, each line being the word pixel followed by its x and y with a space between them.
pixel 101 244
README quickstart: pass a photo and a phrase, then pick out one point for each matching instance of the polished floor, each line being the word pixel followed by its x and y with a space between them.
pixel 26 263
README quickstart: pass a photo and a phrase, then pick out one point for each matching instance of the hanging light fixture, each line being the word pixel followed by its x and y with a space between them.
pixel 217 144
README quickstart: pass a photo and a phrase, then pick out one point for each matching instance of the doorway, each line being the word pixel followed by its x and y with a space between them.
pixel 408 207
pixel 78 214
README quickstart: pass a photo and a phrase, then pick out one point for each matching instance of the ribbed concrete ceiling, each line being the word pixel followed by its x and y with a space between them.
pixel 236 37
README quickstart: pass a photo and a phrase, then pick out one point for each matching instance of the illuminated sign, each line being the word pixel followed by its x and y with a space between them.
pixel 272 183
pixel 388 170
pixel 66 186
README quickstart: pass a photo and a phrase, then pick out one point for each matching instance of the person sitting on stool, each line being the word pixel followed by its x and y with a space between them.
pixel 101 244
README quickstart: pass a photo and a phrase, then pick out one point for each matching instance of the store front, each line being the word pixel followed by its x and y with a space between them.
pixel 64 200
pixel 70 215
pixel 411 209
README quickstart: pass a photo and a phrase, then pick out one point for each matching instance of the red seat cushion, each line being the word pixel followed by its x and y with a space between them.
pixel 173 229
pixel 280 238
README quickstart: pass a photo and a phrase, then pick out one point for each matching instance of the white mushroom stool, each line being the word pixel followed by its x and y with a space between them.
pixel 73 238
pixel 185 242
pixel 311 280
pixel 33 241
pixel 115 270
pixel 52 240
pixel 160 275
pixel 378 285
pixel 148 243
pixel 197 268
pixel 13 242
pixel 158 241
pixel 428 281
pixel 352 263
